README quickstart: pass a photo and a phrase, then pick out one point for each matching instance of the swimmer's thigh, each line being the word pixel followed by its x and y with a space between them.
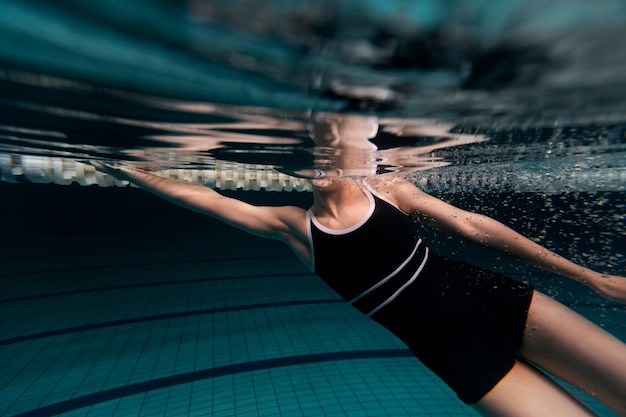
pixel 572 348
pixel 525 392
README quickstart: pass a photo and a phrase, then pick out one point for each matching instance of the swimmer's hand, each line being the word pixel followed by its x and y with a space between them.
pixel 107 167
pixel 114 169
pixel 612 287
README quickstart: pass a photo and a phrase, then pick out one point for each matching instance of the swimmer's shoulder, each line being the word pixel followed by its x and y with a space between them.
pixel 393 188
pixel 389 184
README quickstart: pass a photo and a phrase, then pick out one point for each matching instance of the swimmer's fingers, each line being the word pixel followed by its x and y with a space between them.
pixel 612 287
pixel 103 166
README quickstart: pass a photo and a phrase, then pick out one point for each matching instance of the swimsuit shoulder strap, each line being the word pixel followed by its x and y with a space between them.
pixel 368 189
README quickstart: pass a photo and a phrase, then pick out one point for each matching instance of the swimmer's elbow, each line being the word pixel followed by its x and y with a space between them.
pixel 475 228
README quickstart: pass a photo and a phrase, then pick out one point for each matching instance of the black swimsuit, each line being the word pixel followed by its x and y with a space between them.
pixel 464 322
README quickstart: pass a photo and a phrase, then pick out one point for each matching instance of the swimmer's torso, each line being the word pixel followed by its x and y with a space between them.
pixel 371 262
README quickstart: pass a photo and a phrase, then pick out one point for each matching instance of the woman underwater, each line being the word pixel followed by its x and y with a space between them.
pixel 484 334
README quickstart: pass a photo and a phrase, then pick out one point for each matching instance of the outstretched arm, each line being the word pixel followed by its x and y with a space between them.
pixel 494 235
pixel 272 222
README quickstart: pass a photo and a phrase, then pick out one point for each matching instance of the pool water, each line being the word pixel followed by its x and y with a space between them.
pixel 114 302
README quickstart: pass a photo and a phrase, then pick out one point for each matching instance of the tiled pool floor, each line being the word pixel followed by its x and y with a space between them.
pixel 190 325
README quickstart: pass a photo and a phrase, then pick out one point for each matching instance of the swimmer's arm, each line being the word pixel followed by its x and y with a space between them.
pixel 495 235
pixel 270 222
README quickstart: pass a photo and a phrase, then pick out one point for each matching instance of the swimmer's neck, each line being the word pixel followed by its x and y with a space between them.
pixel 334 199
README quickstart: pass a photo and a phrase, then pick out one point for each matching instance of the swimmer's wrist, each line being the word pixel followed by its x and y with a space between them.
pixel 585 276
pixel 612 287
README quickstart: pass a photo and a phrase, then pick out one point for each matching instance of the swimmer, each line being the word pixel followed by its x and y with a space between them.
pixel 488 337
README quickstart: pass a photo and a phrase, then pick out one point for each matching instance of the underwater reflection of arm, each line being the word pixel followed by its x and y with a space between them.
pixel 270 222
pixel 495 235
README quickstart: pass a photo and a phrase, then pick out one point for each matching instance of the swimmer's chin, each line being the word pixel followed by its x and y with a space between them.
pixel 322 184
pixel 331 184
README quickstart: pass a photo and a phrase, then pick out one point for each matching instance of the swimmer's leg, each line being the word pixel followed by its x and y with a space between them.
pixel 527 392
pixel 572 348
